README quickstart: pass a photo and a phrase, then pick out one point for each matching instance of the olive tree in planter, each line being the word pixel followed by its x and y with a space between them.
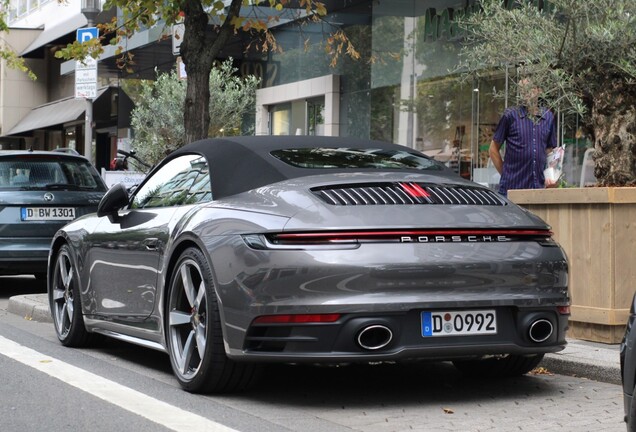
pixel 157 119
pixel 582 54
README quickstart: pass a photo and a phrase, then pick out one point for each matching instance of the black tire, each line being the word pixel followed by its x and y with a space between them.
pixel 65 302
pixel 495 367
pixel 193 331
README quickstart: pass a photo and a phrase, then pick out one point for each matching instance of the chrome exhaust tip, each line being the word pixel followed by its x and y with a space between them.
pixel 540 330
pixel 374 337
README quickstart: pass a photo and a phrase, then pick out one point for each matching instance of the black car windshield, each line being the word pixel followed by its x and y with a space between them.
pixel 342 158
pixel 48 173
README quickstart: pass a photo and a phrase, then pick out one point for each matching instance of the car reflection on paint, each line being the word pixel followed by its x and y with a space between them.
pixel 310 249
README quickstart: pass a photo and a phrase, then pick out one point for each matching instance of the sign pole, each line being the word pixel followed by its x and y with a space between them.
pixel 88 130
pixel 86 88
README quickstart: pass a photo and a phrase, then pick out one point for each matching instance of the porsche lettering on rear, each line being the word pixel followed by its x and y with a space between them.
pixel 454 238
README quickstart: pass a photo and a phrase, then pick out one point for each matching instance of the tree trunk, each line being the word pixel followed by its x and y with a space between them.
pixel 201 45
pixel 614 124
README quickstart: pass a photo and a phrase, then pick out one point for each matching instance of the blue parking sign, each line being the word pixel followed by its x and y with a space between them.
pixel 87 33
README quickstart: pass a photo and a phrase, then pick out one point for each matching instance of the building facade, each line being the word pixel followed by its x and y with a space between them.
pixel 406 88
pixel 44 114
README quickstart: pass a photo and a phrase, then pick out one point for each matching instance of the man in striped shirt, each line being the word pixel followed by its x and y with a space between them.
pixel 529 132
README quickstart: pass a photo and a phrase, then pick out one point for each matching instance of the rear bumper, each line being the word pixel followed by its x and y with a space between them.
pixel 390 284
pixel 338 341
pixel 24 255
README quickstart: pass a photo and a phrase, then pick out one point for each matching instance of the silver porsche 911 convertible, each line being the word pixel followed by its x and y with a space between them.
pixel 240 251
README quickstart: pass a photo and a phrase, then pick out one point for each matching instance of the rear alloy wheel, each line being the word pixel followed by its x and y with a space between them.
pixel 195 341
pixel 506 366
pixel 64 301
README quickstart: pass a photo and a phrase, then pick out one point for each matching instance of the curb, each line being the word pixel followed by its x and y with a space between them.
pixel 33 307
pixel 594 361
pixel 607 373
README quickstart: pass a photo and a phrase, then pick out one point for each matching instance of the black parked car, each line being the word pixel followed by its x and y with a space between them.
pixel 41 191
pixel 628 369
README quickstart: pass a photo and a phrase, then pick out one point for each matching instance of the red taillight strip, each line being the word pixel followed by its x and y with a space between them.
pixel 297 319
pixel 335 235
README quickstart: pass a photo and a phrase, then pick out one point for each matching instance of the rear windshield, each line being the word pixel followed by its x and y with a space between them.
pixel 339 158
pixel 48 174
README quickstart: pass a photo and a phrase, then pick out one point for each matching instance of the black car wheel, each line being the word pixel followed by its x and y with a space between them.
pixel 195 341
pixel 64 301
pixel 506 366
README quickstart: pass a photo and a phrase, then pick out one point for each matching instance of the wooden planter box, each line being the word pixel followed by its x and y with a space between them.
pixel 597 229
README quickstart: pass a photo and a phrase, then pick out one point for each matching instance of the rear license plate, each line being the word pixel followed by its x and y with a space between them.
pixel 47 213
pixel 459 323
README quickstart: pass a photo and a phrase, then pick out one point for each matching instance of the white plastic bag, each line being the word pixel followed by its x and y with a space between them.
pixel 554 165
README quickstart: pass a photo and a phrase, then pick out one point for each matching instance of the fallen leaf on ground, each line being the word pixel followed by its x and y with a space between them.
pixel 540 371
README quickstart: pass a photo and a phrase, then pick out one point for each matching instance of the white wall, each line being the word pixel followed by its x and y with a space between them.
pixel 327 86
pixel 18 93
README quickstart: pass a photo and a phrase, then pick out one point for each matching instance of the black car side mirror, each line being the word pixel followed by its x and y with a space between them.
pixel 114 200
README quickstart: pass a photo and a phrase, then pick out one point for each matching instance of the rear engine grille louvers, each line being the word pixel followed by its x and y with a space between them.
pixel 398 193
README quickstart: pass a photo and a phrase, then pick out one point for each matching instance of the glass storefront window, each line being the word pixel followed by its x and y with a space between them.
pixel 22 7
pixel 443 127
pixel 18 8
pixel 70 138
pixel 280 119
pixel 576 143
pixel 316 116
pixel 407 88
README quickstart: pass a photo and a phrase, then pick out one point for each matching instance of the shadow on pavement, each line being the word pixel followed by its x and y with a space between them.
pixel 19 285
pixel 361 385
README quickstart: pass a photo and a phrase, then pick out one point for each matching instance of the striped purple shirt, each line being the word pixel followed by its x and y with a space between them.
pixel 526 145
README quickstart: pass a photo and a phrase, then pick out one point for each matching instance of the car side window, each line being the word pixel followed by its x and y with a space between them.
pixel 182 181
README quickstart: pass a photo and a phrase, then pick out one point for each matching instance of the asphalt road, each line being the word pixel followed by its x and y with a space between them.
pixel 115 386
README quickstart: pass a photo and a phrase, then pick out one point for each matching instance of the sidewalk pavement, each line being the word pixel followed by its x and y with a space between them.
pixel 591 360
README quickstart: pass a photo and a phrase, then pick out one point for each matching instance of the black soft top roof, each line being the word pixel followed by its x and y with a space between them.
pixel 239 164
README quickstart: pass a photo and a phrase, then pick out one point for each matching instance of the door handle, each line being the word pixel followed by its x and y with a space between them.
pixel 151 243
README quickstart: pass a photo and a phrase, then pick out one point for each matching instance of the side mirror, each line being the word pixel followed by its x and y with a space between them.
pixel 114 200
